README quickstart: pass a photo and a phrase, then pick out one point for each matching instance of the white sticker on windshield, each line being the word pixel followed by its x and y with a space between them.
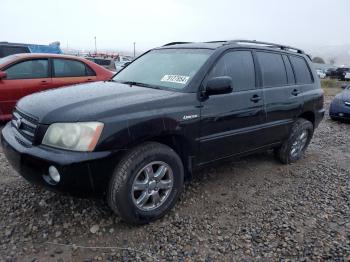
pixel 175 79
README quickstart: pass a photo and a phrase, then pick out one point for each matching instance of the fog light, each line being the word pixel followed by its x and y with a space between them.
pixel 54 174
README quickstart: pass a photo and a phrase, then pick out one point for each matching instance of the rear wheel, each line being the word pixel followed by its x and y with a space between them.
pixel 294 147
pixel 146 183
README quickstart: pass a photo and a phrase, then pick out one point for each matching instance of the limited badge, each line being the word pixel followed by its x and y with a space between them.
pixel 175 79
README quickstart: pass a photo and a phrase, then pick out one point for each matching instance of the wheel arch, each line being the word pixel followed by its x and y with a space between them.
pixel 179 144
pixel 308 115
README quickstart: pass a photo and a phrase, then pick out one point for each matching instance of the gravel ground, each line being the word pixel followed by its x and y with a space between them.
pixel 249 209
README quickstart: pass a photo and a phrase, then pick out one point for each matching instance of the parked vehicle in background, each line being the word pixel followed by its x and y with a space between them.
pixel 122 62
pixel 108 63
pixel 7 48
pixel 24 74
pixel 115 63
pixel 331 72
pixel 341 72
pixel 347 76
pixel 321 74
pixel 340 106
pixel 137 138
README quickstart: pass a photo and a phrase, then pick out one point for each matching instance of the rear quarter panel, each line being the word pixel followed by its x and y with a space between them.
pixel 313 94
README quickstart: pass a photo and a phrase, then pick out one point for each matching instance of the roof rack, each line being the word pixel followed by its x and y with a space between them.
pixel 271 45
pixel 217 41
pixel 177 43
pixel 243 41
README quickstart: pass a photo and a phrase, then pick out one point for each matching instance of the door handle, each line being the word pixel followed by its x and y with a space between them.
pixel 255 98
pixel 44 82
pixel 295 92
pixel 89 80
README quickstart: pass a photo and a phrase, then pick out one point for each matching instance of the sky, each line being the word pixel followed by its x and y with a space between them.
pixel 150 23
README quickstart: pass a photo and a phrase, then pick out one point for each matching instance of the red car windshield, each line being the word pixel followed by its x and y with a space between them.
pixel 6 59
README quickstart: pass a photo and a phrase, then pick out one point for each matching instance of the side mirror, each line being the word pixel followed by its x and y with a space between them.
pixel 219 85
pixel 3 75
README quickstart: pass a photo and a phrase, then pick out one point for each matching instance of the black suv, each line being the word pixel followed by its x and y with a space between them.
pixel 341 72
pixel 136 138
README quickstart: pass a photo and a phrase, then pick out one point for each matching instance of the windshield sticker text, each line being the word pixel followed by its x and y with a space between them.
pixel 175 79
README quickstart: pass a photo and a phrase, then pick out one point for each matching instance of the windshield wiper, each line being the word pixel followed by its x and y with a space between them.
pixel 132 83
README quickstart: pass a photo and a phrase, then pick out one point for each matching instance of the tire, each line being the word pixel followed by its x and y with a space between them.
pixel 134 171
pixel 287 153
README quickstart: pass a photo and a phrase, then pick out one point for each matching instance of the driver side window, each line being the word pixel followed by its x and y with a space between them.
pixel 239 65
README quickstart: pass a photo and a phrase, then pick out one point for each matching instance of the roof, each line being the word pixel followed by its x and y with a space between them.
pixel 236 43
pixel 38 55
pixel 192 45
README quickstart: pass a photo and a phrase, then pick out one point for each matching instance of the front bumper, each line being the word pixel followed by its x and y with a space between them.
pixel 82 173
pixel 338 110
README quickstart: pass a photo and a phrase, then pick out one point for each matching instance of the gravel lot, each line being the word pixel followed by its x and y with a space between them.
pixel 249 209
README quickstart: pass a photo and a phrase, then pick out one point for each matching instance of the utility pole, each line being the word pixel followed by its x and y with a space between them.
pixel 134 49
pixel 95 46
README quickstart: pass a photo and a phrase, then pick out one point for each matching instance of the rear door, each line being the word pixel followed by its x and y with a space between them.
pixel 305 81
pixel 230 123
pixel 70 72
pixel 23 78
pixel 283 102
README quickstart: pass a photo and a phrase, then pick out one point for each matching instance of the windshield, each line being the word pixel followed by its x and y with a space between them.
pixel 7 59
pixel 164 68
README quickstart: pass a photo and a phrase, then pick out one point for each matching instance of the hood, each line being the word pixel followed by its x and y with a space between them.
pixel 87 102
pixel 344 96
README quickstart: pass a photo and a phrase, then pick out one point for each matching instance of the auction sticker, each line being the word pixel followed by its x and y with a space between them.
pixel 175 79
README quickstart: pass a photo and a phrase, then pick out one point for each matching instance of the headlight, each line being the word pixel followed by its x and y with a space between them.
pixel 73 136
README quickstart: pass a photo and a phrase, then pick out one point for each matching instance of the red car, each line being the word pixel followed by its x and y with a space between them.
pixel 24 74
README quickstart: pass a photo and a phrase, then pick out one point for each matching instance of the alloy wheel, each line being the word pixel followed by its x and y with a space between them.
pixel 152 185
pixel 299 144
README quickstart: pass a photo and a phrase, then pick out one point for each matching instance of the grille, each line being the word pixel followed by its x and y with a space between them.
pixel 25 125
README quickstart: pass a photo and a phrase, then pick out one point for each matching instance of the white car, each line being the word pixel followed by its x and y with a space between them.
pixel 321 73
pixel 347 76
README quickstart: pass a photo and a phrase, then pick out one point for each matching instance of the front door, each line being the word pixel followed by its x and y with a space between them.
pixel 230 123
pixel 23 78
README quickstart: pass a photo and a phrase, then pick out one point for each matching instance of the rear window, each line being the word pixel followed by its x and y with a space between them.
pixel 6 50
pixel 70 68
pixel 272 69
pixel 102 62
pixel 301 70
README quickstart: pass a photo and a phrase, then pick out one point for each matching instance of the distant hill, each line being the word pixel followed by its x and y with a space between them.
pixel 337 54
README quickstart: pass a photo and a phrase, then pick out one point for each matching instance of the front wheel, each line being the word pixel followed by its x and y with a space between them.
pixel 294 147
pixel 146 183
